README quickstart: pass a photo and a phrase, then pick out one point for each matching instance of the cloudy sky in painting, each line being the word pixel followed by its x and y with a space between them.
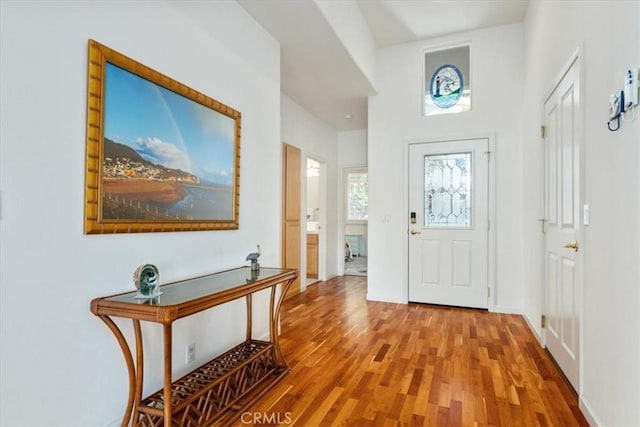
pixel 163 153
pixel 168 129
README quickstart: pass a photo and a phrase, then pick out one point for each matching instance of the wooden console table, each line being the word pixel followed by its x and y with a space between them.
pixel 221 389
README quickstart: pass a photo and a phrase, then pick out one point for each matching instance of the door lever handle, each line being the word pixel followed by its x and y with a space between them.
pixel 572 245
pixel 414 232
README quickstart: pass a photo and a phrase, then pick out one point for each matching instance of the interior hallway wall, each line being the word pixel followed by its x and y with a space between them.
pixel 395 118
pixel 60 364
pixel 608 34
pixel 317 140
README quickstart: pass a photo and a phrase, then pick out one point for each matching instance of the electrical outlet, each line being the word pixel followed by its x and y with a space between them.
pixel 191 353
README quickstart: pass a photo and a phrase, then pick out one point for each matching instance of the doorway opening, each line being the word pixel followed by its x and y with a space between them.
pixel 356 216
pixel 314 220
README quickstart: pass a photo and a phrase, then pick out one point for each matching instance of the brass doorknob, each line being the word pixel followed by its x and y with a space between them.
pixel 414 232
pixel 572 245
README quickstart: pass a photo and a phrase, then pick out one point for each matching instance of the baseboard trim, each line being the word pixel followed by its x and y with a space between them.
pixel 381 298
pixel 533 330
pixel 588 413
pixel 505 310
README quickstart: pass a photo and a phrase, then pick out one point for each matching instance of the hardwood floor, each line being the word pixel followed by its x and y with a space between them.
pixel 360 363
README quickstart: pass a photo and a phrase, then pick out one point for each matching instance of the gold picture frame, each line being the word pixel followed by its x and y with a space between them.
pixel 160 156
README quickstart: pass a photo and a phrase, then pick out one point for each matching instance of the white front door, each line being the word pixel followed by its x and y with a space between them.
pixel 562 218
pixel 448 223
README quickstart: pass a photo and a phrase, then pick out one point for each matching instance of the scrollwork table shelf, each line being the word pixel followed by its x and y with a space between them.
pixel 221 389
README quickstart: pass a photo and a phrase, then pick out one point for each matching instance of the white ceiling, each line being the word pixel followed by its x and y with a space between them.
pixel 319 74
pixel 397 21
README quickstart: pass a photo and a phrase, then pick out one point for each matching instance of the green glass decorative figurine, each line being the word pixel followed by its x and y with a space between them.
pixel 147 281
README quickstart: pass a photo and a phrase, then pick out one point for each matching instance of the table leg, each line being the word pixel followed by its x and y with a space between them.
pixel 139 370
pixel 126 352
pixel 274 320
pixel 249 317
pixel 167 375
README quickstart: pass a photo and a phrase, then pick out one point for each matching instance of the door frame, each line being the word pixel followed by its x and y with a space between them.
pixel 322 220
pixel 576 58
pixel 342 207
pixel 491 203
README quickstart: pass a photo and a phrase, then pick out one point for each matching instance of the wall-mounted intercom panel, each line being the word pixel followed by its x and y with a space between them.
pixel 616 105
pixel 631 88
pixel 624 101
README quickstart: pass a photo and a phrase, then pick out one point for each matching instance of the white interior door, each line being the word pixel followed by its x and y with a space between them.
pixel 562 215
pixel 448 223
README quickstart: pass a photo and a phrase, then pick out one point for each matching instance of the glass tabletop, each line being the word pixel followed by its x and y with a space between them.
pixel 191 289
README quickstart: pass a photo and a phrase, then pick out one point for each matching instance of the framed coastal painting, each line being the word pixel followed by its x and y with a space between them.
pixel 160 156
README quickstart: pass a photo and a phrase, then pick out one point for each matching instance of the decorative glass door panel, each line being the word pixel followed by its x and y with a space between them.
pixel 447 190
pixel 448 206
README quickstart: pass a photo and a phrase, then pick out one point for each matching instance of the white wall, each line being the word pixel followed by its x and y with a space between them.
pixel 352 148
pixel 609 35
pixel 61 365
pixel 351 28
pixel 352 153
pixel 317 140
pixel 395 118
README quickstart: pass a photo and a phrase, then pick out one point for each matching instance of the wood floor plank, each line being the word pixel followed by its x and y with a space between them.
pixel 364 363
